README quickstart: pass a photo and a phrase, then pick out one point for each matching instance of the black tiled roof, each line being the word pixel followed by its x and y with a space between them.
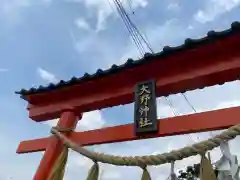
pixel 130 63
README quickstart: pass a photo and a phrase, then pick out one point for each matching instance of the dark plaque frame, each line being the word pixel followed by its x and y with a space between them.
pixel 152 113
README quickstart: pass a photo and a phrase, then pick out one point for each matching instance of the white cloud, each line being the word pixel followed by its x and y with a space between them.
pixel 107 11
pixel 190 27
pixel 103 9
pixel 51 123
pixel 11 9
pixel 78 165
pixel 164 111
pixel 81 23
pixel 81 160
pixel 156 35
pixel 137 3
pixel 10 6
pixel 102 19
pixel 47 76
pixel 85 43
pixel 173 7
pixel 151 146
pixel 228 104
pixel 215 8
pixel 76 161
pixel 93 120
pixel 90 120
pixel 111 174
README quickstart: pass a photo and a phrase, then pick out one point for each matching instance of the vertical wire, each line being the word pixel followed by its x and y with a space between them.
pixel 122 13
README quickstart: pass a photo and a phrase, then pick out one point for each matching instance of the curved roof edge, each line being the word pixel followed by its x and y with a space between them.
pixel 130 63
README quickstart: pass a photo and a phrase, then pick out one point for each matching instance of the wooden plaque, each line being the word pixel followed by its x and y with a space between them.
pixel 145 111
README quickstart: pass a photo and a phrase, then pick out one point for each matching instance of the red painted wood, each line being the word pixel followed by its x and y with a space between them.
pixel 207 65
pixel 210 64
pixel 172 83
pixel 33 145
pixel 199 122
pixel 226 46
pixel 54 147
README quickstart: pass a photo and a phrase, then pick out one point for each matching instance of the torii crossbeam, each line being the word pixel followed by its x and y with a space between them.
pixel 193 123
pixel 209 61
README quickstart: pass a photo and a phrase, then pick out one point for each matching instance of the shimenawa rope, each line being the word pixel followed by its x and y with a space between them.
pixel 142 161
pixel 206 169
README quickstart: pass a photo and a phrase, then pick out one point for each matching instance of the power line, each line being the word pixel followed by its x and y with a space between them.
pixel 189 103
pixel 138 32
pixel 130 6
pixel 128 26
pixel 132 29
pixel 175 113
pixel 139 39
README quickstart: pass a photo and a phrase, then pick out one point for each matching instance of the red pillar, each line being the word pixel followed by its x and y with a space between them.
pixel 68 119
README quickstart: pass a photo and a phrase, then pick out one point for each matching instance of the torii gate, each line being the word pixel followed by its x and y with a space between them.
pixel 212 60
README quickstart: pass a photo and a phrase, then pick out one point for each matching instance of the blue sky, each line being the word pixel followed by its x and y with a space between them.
pixel 44 41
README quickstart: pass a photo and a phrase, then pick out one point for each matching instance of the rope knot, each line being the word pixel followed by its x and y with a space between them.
pixel 62 130
pixel 93 173
pixel 145 175
pixel 143 166
pixel 141 161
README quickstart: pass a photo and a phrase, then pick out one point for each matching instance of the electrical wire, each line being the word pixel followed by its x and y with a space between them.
pixel 189 103
pixel 130 6
pixel 110 4
pixel 192 107
pixel 175 113
pixel 132 29
pixel 138 40
pixel 139 33
pixel 122 14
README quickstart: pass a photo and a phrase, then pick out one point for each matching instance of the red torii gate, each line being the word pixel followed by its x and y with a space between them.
pixel 209 61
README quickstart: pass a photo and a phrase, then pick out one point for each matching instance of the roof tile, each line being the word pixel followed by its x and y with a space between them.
pixel 167 51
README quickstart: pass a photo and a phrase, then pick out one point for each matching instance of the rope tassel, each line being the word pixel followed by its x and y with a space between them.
pixel 206 169
pixel 153 159
pixel 145 175
pixel 58 170
pixel 173 176
pixel 93 173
